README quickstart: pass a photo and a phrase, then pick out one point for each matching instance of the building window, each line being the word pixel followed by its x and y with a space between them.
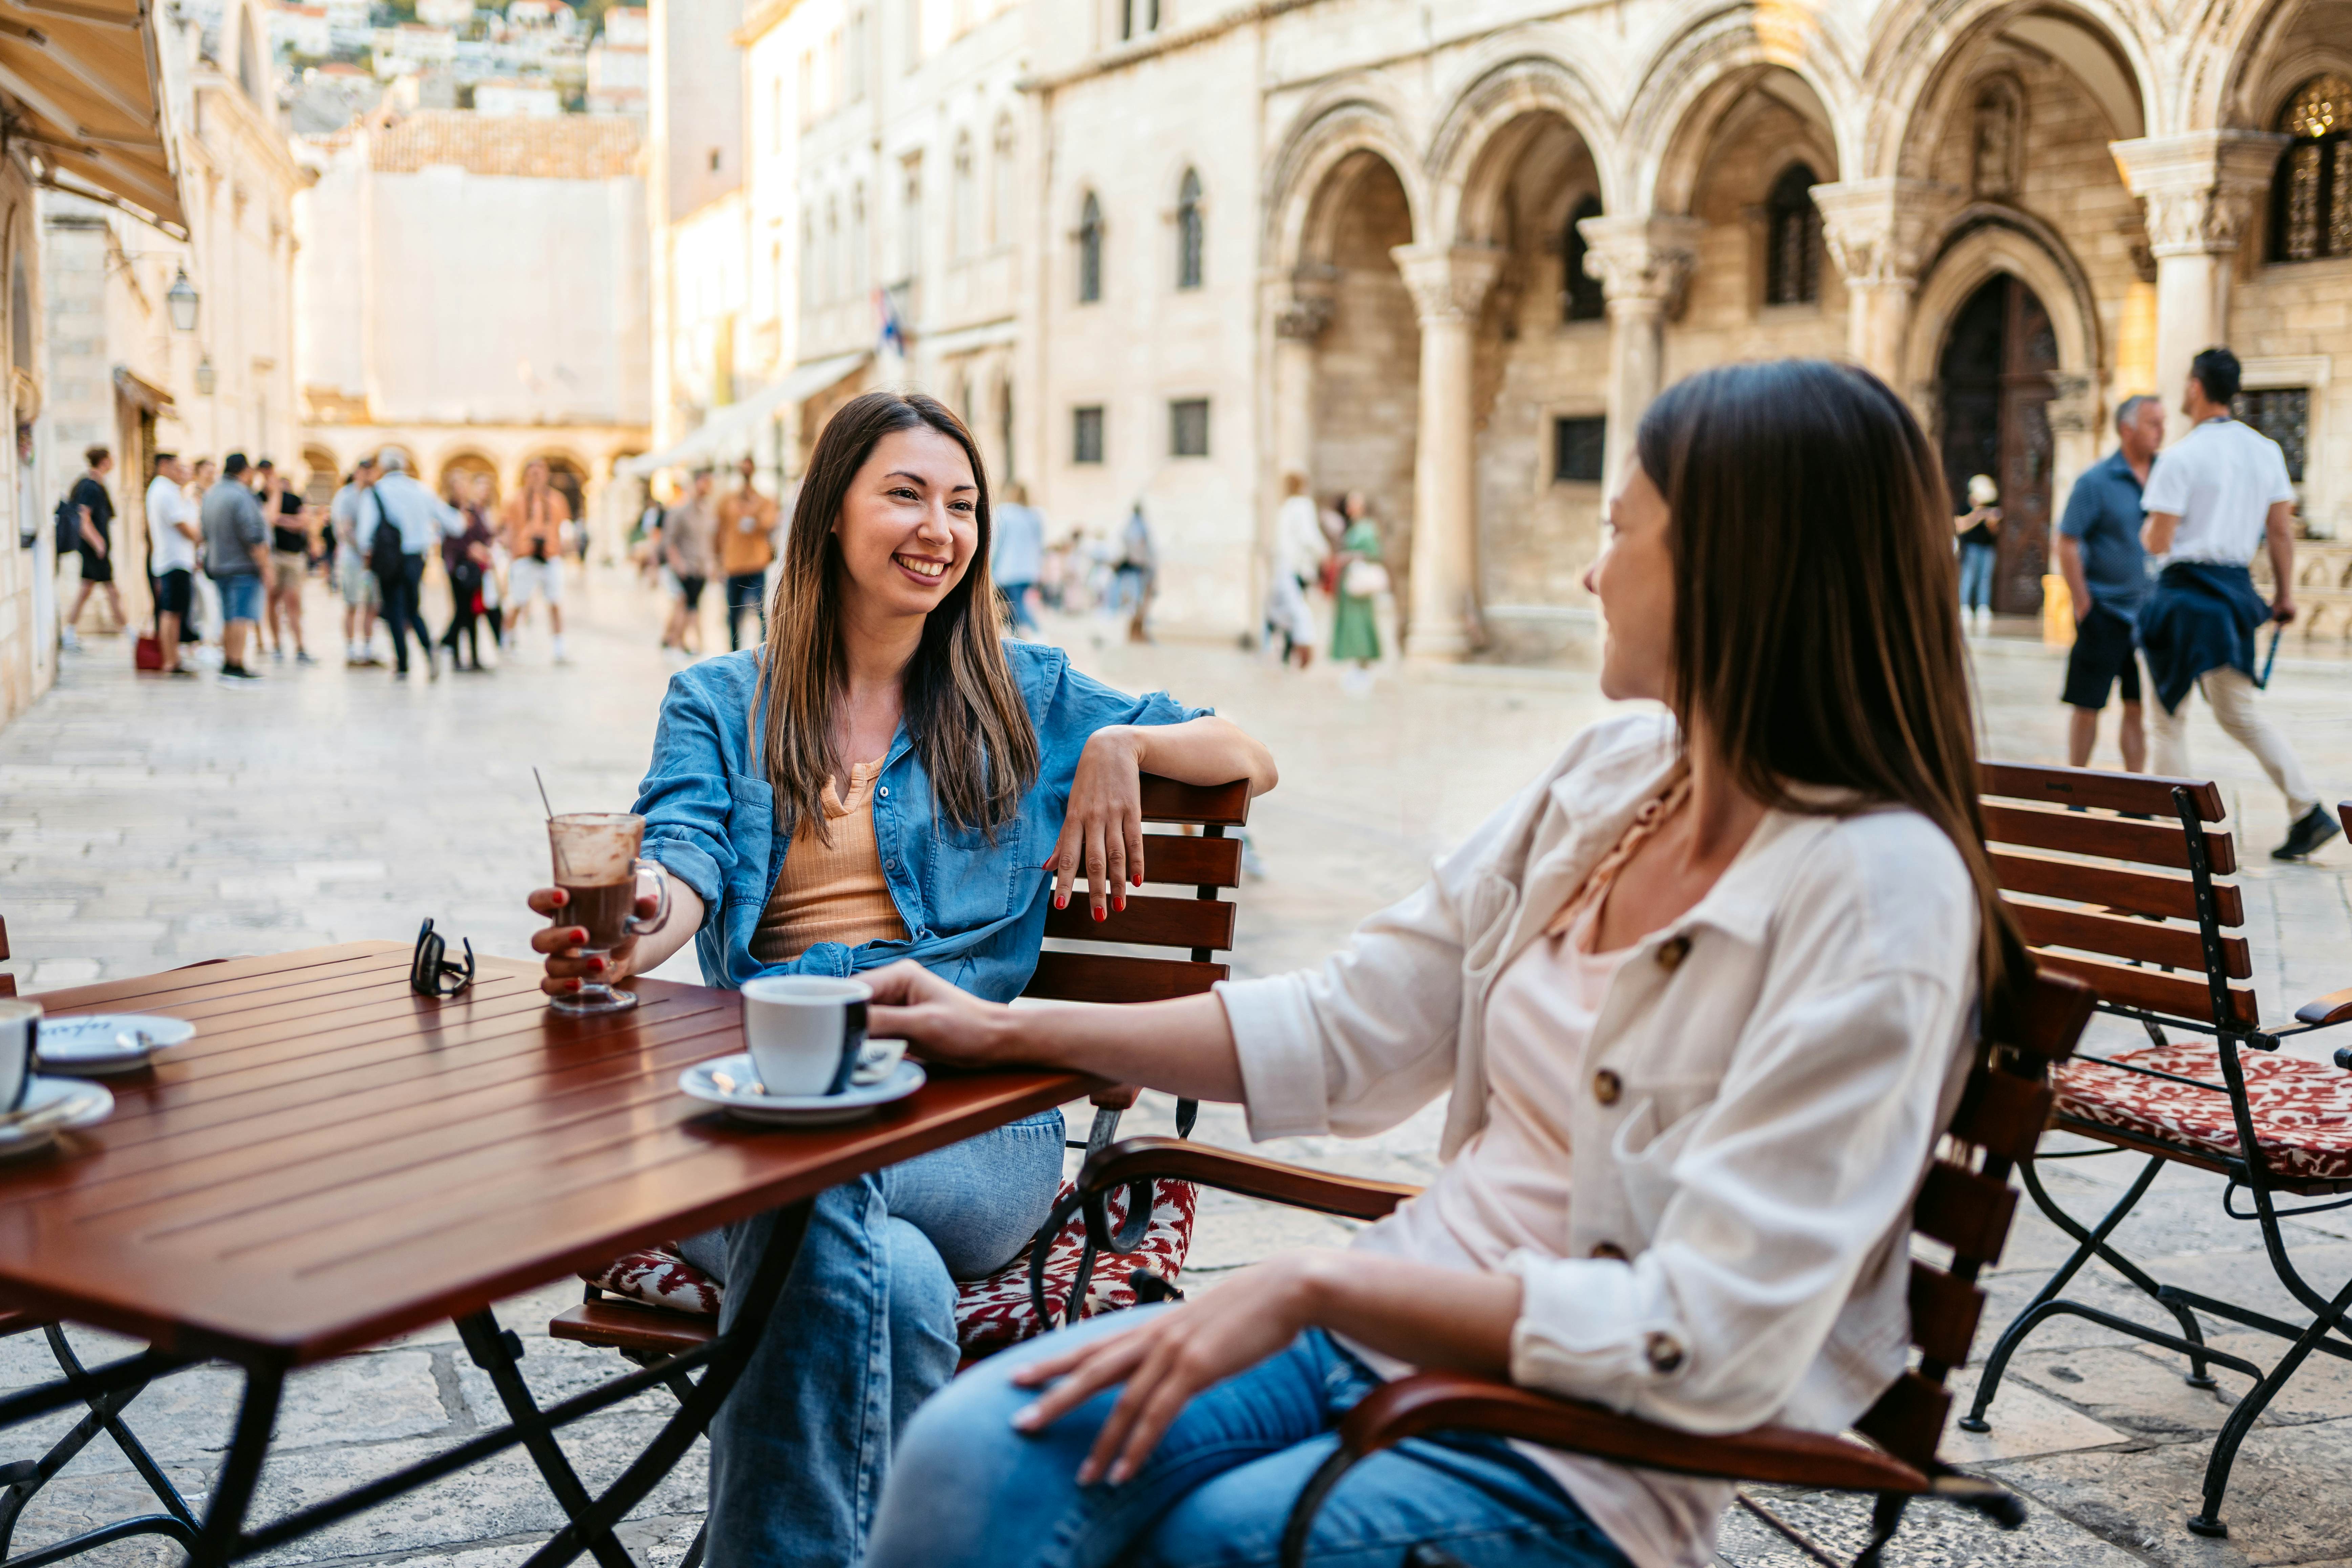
pixel 1086 434
pixel 856 63
pixel 1582 298
pixel 1002 173
pixel 857 242
pixel 967 200
pixel 1576 450
pixel 776 116
pixel 1090 239
pixel 2311 195
pixel 2282 414
pixel 911 220
pixel 1188 231
pixel 714 159
pixel 1188 427
pixel 1136 17
pixel 1792 230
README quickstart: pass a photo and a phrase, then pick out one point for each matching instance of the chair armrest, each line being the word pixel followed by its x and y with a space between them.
pixel 1296 1186
pixel 2328 1010
pixel 1116 1097
pixel 1457 1402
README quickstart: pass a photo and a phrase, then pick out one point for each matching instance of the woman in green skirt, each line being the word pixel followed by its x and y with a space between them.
pixel 1355 635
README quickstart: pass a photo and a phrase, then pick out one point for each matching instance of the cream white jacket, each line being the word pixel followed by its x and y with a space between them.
pixel 1764 1081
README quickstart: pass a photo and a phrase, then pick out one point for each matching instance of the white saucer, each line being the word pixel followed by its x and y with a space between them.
pixel 71 1101
pixel 795 1109
pixel 91 1046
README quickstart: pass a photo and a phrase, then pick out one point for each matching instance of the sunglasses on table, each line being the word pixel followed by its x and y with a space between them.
pixel 430 972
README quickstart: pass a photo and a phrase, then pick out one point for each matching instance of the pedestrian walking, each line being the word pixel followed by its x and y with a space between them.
pixel 89 509
pixel 203 624
pixel 2106 569
pixel 1298 552
pixel 352 578
pixel 236 558
pixel 289 563
pixel 1355 629
pixel 2219 492
pixel 1019 555
pixel 401 521
pixel 747 545
pixel 1139 572
pixel 174 535
pixel 467 557
pixel 532 521
pixel 1979 529
pixel 690 535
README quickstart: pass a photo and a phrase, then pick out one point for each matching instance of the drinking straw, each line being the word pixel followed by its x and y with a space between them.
pixel 543 792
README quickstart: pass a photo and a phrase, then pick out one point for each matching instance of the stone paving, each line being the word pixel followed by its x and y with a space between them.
pixel 145 824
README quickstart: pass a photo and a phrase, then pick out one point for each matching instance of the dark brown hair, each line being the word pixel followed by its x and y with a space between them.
pixel 1817 629
pixel 963 709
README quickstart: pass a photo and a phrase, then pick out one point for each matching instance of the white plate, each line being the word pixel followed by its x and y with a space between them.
pixel 71 1101
pixel 88 1045
pixel 795 1109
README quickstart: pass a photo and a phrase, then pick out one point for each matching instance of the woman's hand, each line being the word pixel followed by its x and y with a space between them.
pixel 949 1024
pixel 1174 1357
pixel 561 943
pixel 1102 832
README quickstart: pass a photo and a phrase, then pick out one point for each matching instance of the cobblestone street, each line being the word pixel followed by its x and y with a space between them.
pixel 146 824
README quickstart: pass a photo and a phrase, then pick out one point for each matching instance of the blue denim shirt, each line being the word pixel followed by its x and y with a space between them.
pixel 974 909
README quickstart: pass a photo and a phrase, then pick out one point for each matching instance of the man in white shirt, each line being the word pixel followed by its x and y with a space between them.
pixel 1298 551
pixel 361 595
pixel 422 518
pixel 2211 499
pixel 173 536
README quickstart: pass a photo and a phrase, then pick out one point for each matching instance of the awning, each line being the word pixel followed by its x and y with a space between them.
pixel 138 389
pixel 735 426
pixel 86 87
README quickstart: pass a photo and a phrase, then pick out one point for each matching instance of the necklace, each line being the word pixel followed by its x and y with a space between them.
pixel 1654 815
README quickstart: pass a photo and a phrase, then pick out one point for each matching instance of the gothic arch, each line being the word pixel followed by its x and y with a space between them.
pixel 1696 79
pixel 1981 241
pixel 2235 60
pixel 1925 56
pixel 1325 137
pixel 1466 182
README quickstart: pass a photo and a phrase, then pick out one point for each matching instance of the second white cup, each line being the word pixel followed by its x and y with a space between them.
pixel 805 1031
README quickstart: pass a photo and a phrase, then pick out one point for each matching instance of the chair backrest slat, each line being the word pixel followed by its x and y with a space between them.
pixel 2159 843
pixel 2104 791
pixel 1146 921
pixel 2003 1114
pixel 2164 894
pixel 1204 805
pixel 1909 1419
pixel 2183 997
pixel 2178 947
pixel 1944 1313
pixel 1966 1210
pixel 1114 977
pixel 1195 862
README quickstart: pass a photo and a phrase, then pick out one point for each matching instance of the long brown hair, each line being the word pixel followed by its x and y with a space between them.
pixel 963 709
pixel 1817 627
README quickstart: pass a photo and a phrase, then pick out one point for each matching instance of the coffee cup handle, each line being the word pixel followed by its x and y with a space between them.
pixel 661 911
pixel 853 1046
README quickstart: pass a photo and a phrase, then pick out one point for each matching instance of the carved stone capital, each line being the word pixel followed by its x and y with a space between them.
pixel 1878 232
pixel 1302 317
pixel 2200 190
pixel 1448 282
pixel 1640 261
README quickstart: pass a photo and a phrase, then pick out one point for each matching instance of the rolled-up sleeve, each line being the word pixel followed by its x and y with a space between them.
pixel 1785 1191
pixel 685 798
pixel 1078 705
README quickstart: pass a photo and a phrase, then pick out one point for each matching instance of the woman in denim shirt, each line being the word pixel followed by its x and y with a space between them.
pixel 934 786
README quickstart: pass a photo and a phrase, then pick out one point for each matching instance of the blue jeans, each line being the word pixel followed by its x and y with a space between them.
pixel 864 1332
pixel 402 609
pixel 1976 575
pixel 240 597
pixel 969 1491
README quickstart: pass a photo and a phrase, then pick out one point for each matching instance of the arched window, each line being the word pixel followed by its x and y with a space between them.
pixel 1002 173
pixel 2311 196
pixel 249 75
pixel 1090 238
pixel 808 260
pixel 966 200
pixel 831 252
pixel 1581 296
pixel 1792 230
pixel 857 244
pixel 1188 231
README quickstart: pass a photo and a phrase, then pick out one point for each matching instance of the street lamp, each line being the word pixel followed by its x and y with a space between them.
pixel 182 298
pixel 204 378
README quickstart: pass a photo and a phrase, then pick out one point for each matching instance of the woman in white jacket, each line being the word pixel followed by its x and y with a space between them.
pixel 1702 994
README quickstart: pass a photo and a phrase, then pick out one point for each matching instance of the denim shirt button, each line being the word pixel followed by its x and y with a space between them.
pixel 883 793
pixel 889 865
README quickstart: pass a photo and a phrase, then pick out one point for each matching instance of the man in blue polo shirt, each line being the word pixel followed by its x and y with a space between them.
pixel 2100 556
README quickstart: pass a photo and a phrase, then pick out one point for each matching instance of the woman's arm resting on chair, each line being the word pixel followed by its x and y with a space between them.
pixel 1421 1312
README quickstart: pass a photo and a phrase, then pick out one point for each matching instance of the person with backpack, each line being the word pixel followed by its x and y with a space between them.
pixel 236 558
pixel 82 523
pixel 352 575
pixel 400 520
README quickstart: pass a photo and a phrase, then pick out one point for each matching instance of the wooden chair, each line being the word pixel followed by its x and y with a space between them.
pixel 1964 1205
pixel 8 981
pixel 2112 879
pixel 1087 961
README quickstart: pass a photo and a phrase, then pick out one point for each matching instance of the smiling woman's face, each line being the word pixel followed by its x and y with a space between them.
pixel 910 524
pixel 1634 581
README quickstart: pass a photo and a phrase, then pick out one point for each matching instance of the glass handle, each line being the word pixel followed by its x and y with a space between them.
pixel 661 911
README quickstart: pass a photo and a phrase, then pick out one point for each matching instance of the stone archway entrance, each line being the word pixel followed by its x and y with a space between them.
pixel 1994 384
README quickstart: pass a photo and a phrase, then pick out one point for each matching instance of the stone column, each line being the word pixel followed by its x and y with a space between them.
pixel 1642 263
pixel 1449 284
pixel 1301 307
pixel 2201 191
pixel 1878 233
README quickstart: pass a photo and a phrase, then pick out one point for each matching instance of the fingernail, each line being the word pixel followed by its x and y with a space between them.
pixel 1098 914
pixel 1122 906
pixel 1138 878
pixel 597 965
pixel 1061 901
pixel 1119 1472
pixel 1025 1418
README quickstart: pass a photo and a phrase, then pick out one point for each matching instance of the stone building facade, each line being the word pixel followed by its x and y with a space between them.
pixel 1448 255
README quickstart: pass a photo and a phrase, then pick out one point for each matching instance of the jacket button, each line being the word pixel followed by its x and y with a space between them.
pixel 1664 1351
pixel 1609 1250
pixel 889 865
pixel 883 792
pixel 1607 1086
pixel 1672 952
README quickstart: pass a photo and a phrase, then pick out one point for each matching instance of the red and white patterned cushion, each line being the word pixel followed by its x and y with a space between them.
pixel 2302 1109
pixel 990 1313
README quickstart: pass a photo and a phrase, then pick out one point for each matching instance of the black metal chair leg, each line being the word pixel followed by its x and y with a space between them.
pixel 493 1349
pixel 2200 1374
pixel 693 1558
pixel 2090 1242
pixel 2207 1520
pixel 220 1540
pixel 1300 1526
pixel 108 1409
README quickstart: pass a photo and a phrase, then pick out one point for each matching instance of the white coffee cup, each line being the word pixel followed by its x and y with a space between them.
pixel 805 1031
pixel 20 1030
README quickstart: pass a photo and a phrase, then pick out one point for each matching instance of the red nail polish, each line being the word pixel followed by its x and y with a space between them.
pixel 1121 906
pixel 1061 901
pixel 1098 914
pixel 1138 878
